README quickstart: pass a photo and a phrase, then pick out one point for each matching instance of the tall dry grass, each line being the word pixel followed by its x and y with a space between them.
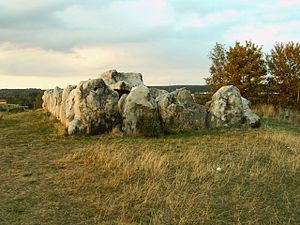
pixel 176 181
pixel 48 178
pixel 279 113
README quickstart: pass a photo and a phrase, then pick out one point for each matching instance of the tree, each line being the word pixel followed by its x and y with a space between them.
pixel 243 66
pixel 38 101
pixel 284 68
pixel 24 97
pixel 217 69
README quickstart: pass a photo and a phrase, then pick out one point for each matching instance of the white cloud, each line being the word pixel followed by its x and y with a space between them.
pixel 45 82
pixel 266 35
pixel 287 3
pixel 211 19
pixel 117 16
pixel 166 40
pixel 159 65
pixel 18 60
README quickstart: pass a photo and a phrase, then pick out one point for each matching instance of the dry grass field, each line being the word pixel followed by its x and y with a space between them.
pixel 48 178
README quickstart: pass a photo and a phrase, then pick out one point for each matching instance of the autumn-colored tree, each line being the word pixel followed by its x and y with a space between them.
pixel 242 65
pixel 284 68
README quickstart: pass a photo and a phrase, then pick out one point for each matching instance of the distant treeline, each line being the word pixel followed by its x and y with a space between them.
pixel 33 97
pixel 192 88
pixel 24 97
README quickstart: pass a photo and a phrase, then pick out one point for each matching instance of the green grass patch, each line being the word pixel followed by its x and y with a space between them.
pixel 278 124
pixel 4 123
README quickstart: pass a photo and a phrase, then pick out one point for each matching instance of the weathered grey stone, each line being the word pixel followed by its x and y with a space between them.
pixel 179 113
pixel 251 118
pixel 95 107
pixel 140 113
pixel 52 101
pixel 67 106
pixel 88 108
pixel 75 127
pixel 122 81
pixel 227 109
pixel 183 96
pixel 155 92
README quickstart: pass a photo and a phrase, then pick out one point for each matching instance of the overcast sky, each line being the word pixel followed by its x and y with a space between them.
pixel 44 43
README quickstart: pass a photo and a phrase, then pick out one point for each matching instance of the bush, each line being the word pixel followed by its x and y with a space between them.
pixel 202 98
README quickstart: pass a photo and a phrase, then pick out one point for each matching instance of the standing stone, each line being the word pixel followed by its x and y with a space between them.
pixel 183 96
pixel 52 101
pixel 227 109
pixel 95 108
pixel 67 105
pixel 155 92
pixel 122 82
pixel 178 112
pixel 251 118
pixel 140 113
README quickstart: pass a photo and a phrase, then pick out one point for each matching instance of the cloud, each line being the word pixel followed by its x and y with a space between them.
pixel 86 62
pixel 216 18
pixel 167 40
pixel 266 35
pixel 287 3
pixel 63 25
pixel 28 14
pixel 20 61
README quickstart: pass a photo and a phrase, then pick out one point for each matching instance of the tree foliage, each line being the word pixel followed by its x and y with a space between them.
pixel 218 77
pixel 284 68
pixel 24 97
pixel 243 66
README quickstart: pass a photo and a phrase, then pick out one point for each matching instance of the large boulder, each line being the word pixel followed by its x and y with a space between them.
pixel 227 109
pixel 52 101
pixel 183 96
pixel 251 118
pixel 140 113
pixel 155 92
pixel 178 111
pixel 122 82
pixel 95 108
pixel 67 105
